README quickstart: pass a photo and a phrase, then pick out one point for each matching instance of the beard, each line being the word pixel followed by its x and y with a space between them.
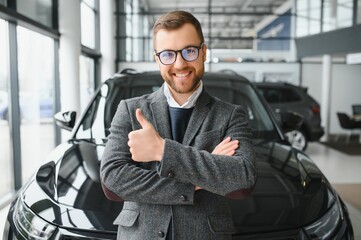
pixel 183 89
pixel 186 86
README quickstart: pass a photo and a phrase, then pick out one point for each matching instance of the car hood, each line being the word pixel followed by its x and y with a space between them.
pixel 69 192
pixel 290 191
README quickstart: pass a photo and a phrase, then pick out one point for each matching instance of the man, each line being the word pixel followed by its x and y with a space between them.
pixel 174 155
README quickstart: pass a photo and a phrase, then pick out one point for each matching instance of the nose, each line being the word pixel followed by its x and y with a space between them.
pixel 179 61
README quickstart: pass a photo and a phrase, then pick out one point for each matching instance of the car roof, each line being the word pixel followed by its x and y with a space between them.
pixel 131 74
pixel 279 84
pixel 274 83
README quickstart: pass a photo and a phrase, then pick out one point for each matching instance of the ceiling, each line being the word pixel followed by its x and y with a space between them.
pixel 227 24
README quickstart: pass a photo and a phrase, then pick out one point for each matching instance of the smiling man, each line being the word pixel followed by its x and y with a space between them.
pixel 174 156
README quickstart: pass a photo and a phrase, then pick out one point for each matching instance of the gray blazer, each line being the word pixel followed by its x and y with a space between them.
pixel 156 193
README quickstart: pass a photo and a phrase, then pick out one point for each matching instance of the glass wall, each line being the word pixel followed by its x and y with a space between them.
pixel 335 14
pixel 229 28
pixel 308 17
pixel 88 22
pixel 139 46
pixel 38 10
pixel 36 92
pixel 359 12
pixel 6 171
pixel 86 80
pixel 88 61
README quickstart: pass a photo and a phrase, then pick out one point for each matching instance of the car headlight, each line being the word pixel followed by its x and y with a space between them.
pixel 29 225
pixel 327 225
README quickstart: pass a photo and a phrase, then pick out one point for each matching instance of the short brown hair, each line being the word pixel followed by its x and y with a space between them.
pixel 174 20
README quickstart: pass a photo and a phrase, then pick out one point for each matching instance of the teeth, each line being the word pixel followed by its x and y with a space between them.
pixel 181 75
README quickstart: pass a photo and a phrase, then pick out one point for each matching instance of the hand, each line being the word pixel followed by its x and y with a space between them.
pixel 226 147
pixel 145 144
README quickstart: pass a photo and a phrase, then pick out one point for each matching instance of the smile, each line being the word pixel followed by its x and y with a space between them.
pixel 182 75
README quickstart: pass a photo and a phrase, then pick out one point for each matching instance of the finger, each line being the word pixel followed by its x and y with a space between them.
pixel 231 149
pixel 227 139
pixel 227 149
pixel 141 119
pixel 230 152
pixel 220 145
pixel 229 145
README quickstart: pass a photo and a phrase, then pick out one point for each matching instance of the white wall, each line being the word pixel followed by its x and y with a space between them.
pixel 345 89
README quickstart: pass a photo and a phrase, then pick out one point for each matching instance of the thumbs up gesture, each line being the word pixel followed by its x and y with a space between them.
pixel 145 144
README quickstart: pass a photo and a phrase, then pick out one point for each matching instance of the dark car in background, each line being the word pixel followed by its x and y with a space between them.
pixel 284 97
pixel 64 200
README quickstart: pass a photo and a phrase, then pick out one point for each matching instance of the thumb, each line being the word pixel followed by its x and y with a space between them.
pixel 141 119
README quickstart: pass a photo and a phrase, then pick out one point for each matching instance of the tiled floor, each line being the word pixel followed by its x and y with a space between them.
pixel 343 171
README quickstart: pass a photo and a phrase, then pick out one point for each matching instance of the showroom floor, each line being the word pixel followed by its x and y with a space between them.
pixel 341 170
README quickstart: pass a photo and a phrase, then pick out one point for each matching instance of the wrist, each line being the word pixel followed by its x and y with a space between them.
pixel 161 150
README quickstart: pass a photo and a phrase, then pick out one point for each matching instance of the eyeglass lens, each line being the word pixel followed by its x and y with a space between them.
pixel 189 54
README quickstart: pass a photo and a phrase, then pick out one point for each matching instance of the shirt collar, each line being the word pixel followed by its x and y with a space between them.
pixel 191 100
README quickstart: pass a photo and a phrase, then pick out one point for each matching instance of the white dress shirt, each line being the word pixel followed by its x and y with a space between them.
pixel 191 100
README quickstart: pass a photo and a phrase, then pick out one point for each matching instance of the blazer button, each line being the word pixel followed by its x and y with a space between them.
pixel 161 234
pixel 183 198
pixel 171 175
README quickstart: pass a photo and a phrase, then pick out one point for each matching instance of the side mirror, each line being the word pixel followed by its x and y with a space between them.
pixel 290 121
pixel 66 120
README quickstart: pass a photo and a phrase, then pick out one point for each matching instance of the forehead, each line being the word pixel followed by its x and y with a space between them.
pixel 176 39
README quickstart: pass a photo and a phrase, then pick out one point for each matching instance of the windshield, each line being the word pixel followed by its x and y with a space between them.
pixel 97 119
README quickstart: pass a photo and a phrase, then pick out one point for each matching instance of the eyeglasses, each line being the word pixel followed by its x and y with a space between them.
pixel 189 54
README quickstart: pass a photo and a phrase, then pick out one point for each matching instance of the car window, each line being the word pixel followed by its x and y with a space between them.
pixel 279 95
pixel 290 95
pixel 244 95
pixel 96 122
pixel 92 125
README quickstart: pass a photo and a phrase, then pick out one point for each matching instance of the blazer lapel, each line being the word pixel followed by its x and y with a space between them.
pixel 159 107
pixel 200 112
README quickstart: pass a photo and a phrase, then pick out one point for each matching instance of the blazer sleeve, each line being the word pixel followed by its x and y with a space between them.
pixel 123 178
pixel 230 176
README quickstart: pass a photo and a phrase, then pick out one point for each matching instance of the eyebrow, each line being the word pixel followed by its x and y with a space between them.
pixel 178 49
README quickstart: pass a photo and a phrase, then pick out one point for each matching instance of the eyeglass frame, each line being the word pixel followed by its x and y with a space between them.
pixel 179 51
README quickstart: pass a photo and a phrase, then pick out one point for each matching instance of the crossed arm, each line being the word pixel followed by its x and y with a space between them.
pixel 146 145
pixel 122 176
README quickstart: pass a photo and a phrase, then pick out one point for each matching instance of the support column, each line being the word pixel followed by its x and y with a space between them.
pixel 69 53
pixel 326 94
pixel 107 40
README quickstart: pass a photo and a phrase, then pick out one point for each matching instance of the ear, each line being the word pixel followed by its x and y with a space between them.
pixel 155 57
pixel 157 60
pixel 204 49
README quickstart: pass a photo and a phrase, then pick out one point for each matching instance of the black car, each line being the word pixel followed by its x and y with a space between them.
pixel 288 97
pixel 64 200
